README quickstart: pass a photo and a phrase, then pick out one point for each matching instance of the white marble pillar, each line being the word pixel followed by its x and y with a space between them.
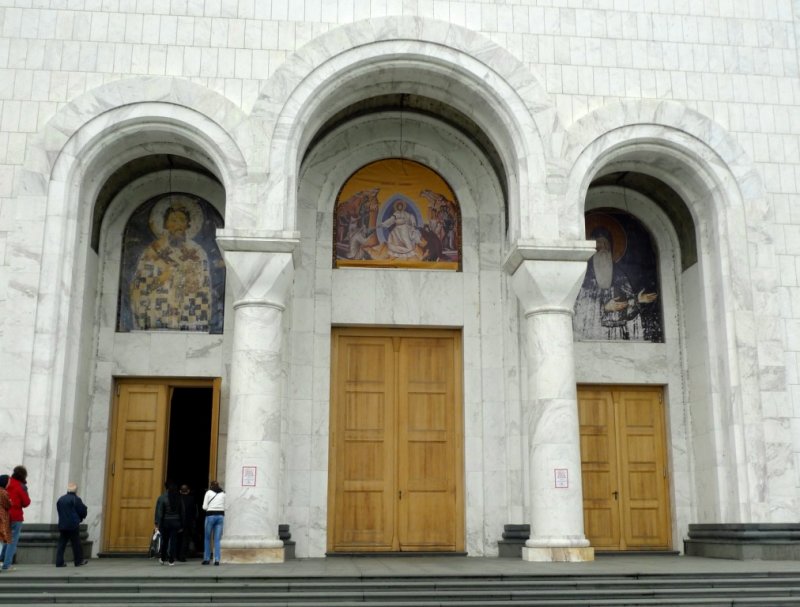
pixel 261 281
pixel 547 280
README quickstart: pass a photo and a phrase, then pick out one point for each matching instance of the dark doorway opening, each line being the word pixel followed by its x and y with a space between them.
pixel 190 437
pixel 189 448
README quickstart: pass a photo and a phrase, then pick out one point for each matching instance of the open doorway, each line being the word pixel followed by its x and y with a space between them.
pixel 188 444
pixel 162 430
pixel 188 450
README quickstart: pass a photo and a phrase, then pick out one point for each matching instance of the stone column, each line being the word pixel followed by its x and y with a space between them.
pixel 260 272
pixel 547 280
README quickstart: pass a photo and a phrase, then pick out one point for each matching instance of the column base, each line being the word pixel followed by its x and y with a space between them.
pixel 250 556
pixel 558 555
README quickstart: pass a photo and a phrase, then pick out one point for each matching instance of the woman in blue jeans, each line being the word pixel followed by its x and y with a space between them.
pixel 214 506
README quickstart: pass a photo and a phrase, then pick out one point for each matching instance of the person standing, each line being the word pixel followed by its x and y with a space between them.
pixel 214 505
pixel 169 521
pixel 17 489
pixel 71 511
pixel 5 506
pixel 186 537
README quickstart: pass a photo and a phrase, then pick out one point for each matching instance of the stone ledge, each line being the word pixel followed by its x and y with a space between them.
pixel 744 541
pixel 38 542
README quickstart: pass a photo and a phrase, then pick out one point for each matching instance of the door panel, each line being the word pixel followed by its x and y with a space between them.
pixel 366 434
pixel 599 468
pixel 137 468
pixel 426 460
pixel 623 462
pixel 395 476
pixel 643 469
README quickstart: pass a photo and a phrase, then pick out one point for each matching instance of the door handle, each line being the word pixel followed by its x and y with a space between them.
pixel 615 494
pixel 400 494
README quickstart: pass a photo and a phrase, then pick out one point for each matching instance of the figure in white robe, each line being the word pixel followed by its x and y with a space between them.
pixel 404 236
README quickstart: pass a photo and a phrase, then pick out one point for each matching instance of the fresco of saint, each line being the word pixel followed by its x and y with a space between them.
pixel 173 280
pixel 618 297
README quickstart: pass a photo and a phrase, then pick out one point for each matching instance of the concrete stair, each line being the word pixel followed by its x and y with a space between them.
pixel 485 591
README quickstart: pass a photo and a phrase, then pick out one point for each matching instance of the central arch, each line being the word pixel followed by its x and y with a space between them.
pixel 420 57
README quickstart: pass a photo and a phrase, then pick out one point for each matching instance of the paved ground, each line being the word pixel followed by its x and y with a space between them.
pixel 409 566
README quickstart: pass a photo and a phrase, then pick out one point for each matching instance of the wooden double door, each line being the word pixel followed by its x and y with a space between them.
pixel 396 454
pixel 624 468
pixel 159 428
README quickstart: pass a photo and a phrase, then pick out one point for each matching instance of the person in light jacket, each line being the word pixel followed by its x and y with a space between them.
pixel 214 506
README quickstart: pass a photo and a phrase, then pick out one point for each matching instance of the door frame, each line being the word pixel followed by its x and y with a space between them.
pixel 458 424
pixel 171 383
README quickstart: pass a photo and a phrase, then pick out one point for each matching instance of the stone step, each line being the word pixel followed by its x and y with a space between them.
pixel 187 594
pixel 162 601
pixel 165 588
pixel 25 585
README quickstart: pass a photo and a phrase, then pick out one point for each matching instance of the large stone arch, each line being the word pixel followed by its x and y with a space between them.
pixel 720 186
pixel 419 56
pixel 67 163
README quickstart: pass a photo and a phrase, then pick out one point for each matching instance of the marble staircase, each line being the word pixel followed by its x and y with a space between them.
pixel 772 589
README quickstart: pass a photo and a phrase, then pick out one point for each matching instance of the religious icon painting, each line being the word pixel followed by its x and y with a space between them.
pixel 172 275
pixel 397 213
pixel 619 298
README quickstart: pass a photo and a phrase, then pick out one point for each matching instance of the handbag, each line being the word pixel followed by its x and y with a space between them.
pixel 155 544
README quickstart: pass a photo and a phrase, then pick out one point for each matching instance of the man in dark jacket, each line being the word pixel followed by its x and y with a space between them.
pixel 71 511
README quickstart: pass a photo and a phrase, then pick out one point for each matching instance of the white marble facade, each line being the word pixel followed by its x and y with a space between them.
pixel 702 98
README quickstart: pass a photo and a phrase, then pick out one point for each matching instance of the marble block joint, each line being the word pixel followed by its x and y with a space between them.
pixel 744 541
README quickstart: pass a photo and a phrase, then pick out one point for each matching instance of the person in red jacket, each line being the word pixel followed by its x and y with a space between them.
pixel 17 490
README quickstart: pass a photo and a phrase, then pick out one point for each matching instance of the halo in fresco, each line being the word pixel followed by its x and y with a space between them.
pixel 397 213
pixel 175 201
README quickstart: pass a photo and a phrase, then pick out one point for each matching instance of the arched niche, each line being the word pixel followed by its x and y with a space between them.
pixel 77 154
pixel 720 205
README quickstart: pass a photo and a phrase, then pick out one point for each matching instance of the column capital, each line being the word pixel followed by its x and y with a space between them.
pixel 537 250
pixel 546 277
pixel 264 241
pixel 260 268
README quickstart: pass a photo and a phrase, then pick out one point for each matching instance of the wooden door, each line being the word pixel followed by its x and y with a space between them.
pixel 363 428
pixel 136 465
pixel 137 460
pixel 623 465
pixel 396 442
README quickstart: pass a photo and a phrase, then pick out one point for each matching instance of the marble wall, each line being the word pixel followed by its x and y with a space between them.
pixel 703 96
